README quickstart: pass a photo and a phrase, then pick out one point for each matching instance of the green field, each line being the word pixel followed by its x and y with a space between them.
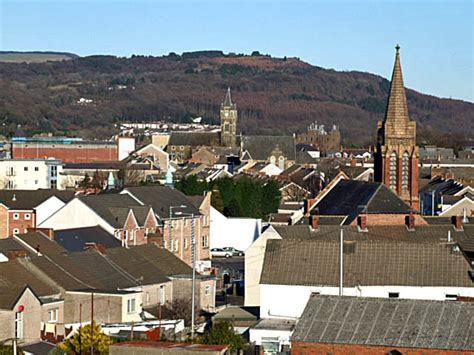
pixel 17 57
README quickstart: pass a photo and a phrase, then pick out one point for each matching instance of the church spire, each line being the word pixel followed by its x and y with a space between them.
pixel 397 102
pixel 228 100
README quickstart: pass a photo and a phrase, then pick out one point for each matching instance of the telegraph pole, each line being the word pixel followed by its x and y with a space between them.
pixel 193 256
pixel 92 323
pixel 170 228
pixel 341 263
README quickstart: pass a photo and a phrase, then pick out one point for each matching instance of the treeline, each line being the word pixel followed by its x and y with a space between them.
pixel 240 197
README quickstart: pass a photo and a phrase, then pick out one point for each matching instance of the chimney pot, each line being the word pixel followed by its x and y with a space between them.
pixel 313 221
pixel 457 222
pixel 362 222
pixel 410 221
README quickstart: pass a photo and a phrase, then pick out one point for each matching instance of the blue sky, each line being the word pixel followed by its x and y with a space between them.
pixel 436 37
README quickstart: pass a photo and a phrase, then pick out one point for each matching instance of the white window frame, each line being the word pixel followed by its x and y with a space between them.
pixel 16 216
pixel 162 295
pixel 131 305
pixel 207 290
pixel 27 216
pixel 16 231
pixel 53 315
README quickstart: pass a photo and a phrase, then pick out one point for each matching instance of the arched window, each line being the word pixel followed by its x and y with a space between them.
pixel 393 171
pixel 281 162
pixel 405 170
pixel 272 159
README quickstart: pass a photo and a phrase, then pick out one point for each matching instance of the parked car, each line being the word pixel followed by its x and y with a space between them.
pixel 227 252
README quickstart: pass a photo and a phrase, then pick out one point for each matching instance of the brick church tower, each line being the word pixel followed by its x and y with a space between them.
pixel 396 159
pixel 228 122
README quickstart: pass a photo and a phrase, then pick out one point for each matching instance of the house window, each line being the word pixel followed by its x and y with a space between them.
pixel 25 168
pixel 27 216
pixel 53 315
pixel 36 182
pixel 54 184
pixel 272 160
pixel 16 216
pixel 131 305
pixel 393 294
pixel 405 172
pixel 176 245
pixel 54 171
pixel 36 168
pixel 205 242
pixel 207 290
pixel 281 162
pixel 147 297
pixel 16 231
pixel 162 294
pixel 185 243
pixel 181 147
pixel 393 171
pixel 451 297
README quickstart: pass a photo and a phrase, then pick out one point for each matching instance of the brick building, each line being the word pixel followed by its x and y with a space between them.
pixel 317 136
pixel 396 159
pixel 71 150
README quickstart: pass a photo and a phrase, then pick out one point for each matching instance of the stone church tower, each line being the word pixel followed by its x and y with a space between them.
pixel 396 159
pixel 228 122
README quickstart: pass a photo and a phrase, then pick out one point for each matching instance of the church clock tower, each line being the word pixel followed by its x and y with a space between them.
pixel 228 122
pixel 396 159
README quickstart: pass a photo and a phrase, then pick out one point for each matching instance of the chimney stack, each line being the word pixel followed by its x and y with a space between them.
pixel 410 221
pixel 362 222
pixel 14 254
pixel 457 222
pixel 313 221
pixel 308 204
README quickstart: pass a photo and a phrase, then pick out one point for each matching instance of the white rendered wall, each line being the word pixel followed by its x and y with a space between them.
pixel 232 232
pixel 14 171
pixel 290 301
pixel 75 214
pixel 126 145
pixel 254 256
pixel 283 336
pixel 47 209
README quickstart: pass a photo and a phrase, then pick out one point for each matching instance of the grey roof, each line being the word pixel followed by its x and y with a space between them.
pixel 161 198
pixel 443 186
pixel 387 322
pixel 113 208
pixel 29 199
pixel 382 256
pixel 38 240
pixel 76 239
pixel 351 197
pixel 39 348
pixel 10 244
pixel 9 296
pixel 228 99
pixel 194 138
pixel 261 147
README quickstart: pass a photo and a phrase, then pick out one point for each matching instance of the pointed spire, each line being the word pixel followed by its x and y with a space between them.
pixel 228 99
pixel 397 108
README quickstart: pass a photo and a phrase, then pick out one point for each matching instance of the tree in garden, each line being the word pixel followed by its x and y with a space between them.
pixel 80 342
pixel 222 333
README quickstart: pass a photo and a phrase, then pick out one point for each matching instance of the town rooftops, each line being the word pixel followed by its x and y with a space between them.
pixel 173 347
pixel 261 147
pixel 387 322
pixel 351 197
pixel 385 255
pixel 9 296
pixel 194 138
pixel 39 242
pixel 29 199
pixel 78 239
pixel 161 198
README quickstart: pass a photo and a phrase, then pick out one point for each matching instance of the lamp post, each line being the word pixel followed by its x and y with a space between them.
pixel 171 225
pixel 193 258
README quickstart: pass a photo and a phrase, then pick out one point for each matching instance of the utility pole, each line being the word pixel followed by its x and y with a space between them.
pixel 92 323
pixel 80 323
pixel 341 262
pixel 170 230
pixel 193 256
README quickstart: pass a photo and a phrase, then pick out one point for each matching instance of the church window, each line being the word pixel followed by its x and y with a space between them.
pixel 405 172
pixel 226 128
pixel 272 159
pixel 393 171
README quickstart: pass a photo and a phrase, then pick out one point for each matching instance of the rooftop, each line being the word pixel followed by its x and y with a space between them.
pixel 387 322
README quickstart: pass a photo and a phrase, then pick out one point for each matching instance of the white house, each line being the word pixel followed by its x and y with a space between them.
pixel 30 174
pixel 233 232
pixel 385 261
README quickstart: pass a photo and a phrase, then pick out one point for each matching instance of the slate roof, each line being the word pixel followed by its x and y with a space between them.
pixel 382 256
pixel 10 244
pixel 194 138
pixel 29 199
pixel 10 295
pixel 38 239
pixel 113 208
pixel 443 186
pixel 261 147
pixel 13 274
pixel 387 322
pixel 161 198
pixel 39 348
pixel 76 239
pixel 149 262
pixel 351 197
